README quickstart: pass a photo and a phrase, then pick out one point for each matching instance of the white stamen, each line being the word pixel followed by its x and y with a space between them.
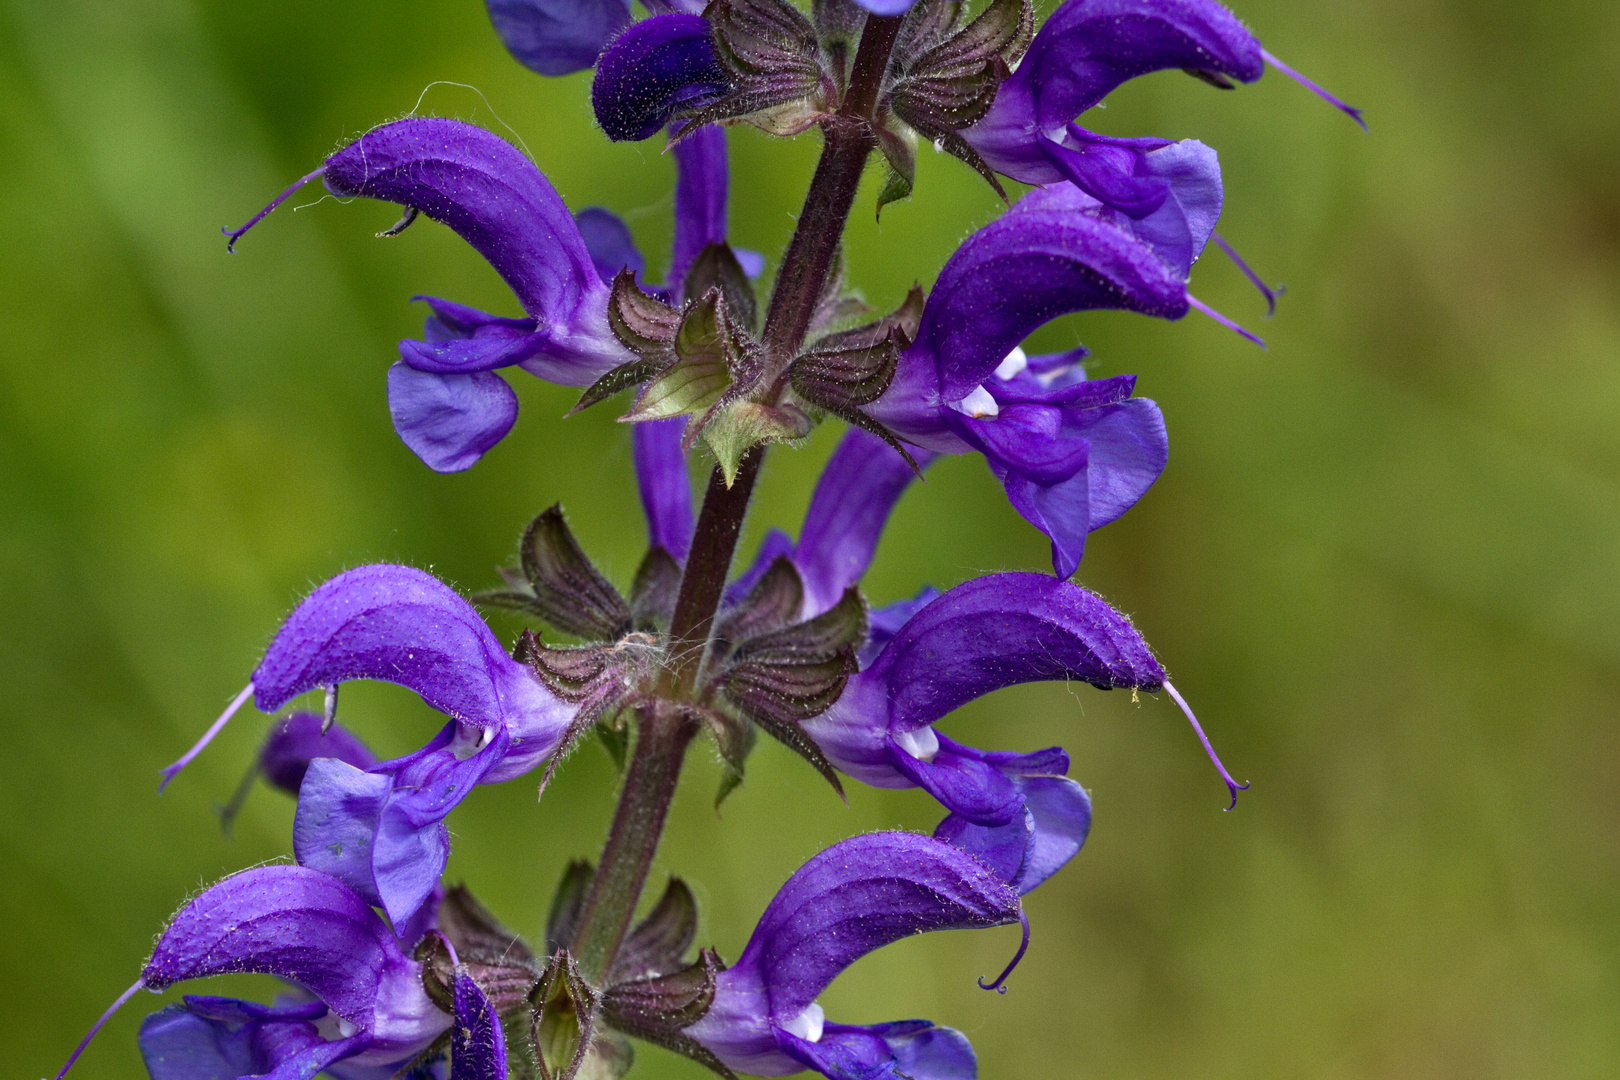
pixel 921 744
pixel 484 738
pixel 978 404
pixel 1015 362
pixel 808 1024
pixel 345 1028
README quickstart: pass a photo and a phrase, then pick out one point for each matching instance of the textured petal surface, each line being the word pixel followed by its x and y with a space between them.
pixel 312 930
pixel 557 37
pixel 487 191
pixel 1086 48
pixel 401 625
pixel 1042 259
pixel 659 65
pixel 1002 630
pixel 477 1047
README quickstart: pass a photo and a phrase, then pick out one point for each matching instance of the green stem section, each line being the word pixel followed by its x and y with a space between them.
pixel 662 737
pixel 665 729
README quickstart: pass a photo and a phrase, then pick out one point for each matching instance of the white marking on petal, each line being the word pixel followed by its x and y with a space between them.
pixel 921 744
pixel 978 404
pixel 1015 362
pixel 808 1024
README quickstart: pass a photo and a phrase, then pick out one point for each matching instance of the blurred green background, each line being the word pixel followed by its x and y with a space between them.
pixel 1384 563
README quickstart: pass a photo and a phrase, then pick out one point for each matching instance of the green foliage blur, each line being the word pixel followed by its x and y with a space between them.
pixel 1384 563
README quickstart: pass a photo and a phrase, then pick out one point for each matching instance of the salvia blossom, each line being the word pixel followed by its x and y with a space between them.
pixel 365 1003
pixel 853 898
pixel 380 829
pixel 391 972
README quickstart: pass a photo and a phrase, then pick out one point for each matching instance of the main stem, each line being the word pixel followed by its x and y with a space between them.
pixel 665 729
pixel 662 737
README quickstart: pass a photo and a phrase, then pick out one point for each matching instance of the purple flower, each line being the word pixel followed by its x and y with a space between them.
pixel 448 404
pixel 288 749
pixel 856 896
pixel 369 1007
pixel 1073 455
pixel 1084 51
pixel 381 831
pixel 1018 811
pixel 656 67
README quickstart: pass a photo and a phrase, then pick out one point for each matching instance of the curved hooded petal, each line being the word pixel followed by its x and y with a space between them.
pixel 856 896
pixel 557 37
pixel 1087 48
pixel 404 626
pixel 449 421
pixel 657 66
pixel 610 242
pixel 858 490
pixel 666 488
pixel 1045 257
pixel 477 1046
pixel 986 634
pixel 312 930
pixel 298 740
pixel 882 623
pixel 500 203
pixel 382 832
pixel 1176 227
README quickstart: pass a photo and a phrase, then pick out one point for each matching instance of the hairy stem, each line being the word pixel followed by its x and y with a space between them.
pixel 662 737
pixel 848 141
pixel 665 728
pixel 704 582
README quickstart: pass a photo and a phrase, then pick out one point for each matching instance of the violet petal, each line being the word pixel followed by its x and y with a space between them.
pixel 701 182
pixel 557 37
pixel 858 489
pixel 499 202
pixel 400 625
pixel 477 1046
pixel 296 741
pixel 1041 259
pixel 666 487
pixel 610 242
pixel 450 421
pixel 655 67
